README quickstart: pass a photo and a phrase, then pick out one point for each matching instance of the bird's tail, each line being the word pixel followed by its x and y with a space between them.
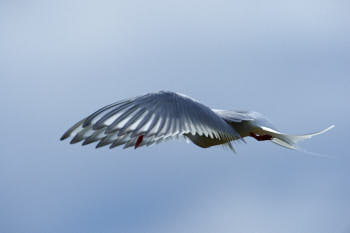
pixel 291 141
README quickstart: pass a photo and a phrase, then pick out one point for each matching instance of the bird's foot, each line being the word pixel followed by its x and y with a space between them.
pixel 261 137
pixel 138 141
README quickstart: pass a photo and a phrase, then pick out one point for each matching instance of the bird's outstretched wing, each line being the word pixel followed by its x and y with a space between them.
pixel 154 117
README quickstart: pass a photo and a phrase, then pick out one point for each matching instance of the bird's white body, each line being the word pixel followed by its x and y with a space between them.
pixel 155 117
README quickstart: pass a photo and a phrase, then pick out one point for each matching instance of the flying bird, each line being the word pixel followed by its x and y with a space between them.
pixel 156 117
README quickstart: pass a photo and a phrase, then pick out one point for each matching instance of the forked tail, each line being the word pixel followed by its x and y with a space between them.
pixel 291 141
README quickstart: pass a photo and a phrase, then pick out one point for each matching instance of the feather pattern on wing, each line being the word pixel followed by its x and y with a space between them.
pixel 155 116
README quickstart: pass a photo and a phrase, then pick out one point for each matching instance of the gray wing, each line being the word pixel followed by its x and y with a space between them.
pixel 234 116
pixel 255 118
pixel 155 116
pixel 245 122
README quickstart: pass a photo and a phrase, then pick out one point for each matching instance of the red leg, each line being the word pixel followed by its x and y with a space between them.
pixel 262 137
pixel 138 142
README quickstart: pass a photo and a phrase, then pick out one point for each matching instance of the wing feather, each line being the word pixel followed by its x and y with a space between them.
pixel 147 118
pixel 128 126
pixel 99 113
pixel 157 116
pixel 96 136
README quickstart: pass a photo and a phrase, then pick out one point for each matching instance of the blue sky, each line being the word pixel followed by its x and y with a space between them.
pixel 60 61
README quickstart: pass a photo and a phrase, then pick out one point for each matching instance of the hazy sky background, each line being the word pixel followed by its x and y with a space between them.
pixel 62 60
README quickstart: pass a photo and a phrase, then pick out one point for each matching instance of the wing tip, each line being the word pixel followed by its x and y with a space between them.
pixel 65 135
pixel 76 139
pixel 69 132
